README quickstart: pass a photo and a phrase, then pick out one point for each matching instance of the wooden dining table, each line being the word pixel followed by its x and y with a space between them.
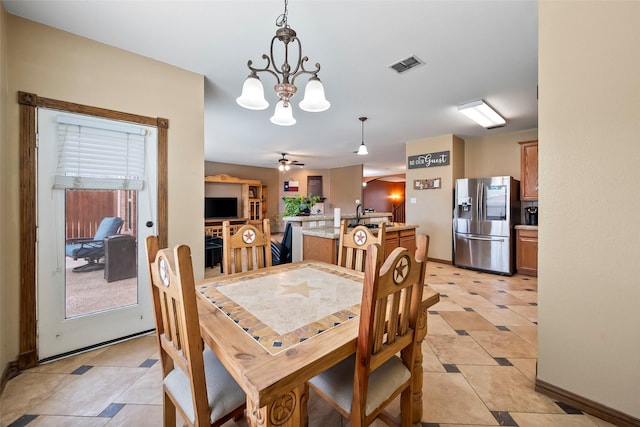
pixel 277 327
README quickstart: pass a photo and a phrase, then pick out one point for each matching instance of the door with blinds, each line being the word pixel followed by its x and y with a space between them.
pixel 96 203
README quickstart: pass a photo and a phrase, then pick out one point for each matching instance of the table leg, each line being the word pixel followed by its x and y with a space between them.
pixel 416 417
pixel 289 410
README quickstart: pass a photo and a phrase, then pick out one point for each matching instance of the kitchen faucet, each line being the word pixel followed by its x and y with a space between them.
pixel 359 207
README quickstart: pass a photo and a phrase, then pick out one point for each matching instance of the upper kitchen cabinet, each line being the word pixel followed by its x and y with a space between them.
pixel 529 170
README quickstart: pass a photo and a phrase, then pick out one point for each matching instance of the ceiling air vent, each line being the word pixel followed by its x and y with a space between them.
pixel 406 64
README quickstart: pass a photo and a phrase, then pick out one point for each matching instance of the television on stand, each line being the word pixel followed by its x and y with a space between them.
pixel 220 207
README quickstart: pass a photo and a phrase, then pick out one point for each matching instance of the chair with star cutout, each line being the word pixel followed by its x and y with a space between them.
pixel 249 248
pixel 194 381
pixel 362 385
pixel 352 248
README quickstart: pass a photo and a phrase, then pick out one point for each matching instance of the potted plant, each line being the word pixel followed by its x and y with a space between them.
pixel 299 204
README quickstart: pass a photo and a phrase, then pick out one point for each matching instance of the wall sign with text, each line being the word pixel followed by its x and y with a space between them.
pixel 430 160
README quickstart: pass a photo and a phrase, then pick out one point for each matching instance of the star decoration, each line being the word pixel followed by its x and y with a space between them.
pixel 164 272
pixel 401 269
pixel 249 236
pixel 360 237
pixel 301 288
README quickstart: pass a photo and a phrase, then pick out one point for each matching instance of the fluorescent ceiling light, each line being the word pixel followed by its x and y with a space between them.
pixel 482 114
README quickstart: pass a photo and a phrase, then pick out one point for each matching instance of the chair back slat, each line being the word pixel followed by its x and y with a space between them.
pixel 352 247
pixel 249 248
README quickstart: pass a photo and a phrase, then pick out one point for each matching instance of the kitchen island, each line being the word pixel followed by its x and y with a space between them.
pixel 321 222
pixel 321 244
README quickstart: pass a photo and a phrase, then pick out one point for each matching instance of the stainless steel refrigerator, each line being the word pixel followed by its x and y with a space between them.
pixel 485 214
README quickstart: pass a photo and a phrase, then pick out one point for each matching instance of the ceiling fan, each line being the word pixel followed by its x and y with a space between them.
pixel 285 164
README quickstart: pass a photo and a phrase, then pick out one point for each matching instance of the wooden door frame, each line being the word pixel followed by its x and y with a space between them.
pixel 29 102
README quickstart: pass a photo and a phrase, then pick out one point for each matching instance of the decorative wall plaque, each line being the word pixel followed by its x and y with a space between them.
pixel 427 184
pixel 441 158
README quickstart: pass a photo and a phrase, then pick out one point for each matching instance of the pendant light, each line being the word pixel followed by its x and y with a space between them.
pixel 362 150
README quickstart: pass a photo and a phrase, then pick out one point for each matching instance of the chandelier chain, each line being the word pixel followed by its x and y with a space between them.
pixel 281 21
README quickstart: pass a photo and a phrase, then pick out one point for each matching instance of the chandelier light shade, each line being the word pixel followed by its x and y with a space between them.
pixel 481 113
pixel 362 150
pixel 283 115
pixel 314 100
pixel 252 96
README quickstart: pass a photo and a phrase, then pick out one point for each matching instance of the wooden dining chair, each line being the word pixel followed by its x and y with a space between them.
pixel 352 247
pixel 193 380
pixel 360 386
pixel 249 248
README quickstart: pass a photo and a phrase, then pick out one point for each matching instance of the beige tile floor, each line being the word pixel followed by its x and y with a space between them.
pixel 479 368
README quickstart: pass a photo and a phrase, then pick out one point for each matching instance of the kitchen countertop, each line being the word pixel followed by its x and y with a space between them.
pixel 334 232
pixel 329 217
pixel 527 227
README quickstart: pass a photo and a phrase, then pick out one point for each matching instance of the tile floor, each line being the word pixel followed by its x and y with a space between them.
pixel 479 368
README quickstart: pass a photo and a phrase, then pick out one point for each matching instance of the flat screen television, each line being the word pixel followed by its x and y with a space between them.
pixel 220 207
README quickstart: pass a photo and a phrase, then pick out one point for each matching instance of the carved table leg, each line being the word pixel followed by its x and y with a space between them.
pixel 289 410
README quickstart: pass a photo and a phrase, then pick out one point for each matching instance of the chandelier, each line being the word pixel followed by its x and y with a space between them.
pixel 252 96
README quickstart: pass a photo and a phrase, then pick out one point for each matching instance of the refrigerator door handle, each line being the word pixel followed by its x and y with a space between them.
pixel 485 239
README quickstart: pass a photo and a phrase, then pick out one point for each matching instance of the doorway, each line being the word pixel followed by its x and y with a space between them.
pixel 96 184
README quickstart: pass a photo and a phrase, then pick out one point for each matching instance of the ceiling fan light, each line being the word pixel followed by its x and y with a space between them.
pixel 314 100
pixel 483 114
pixel 283 116
pixel 362 150
pixel 281 167
pixel 252 96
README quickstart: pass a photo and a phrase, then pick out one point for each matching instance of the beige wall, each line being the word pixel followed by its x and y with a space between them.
pixel 346 188
pixel 5 355
pixel 432 210
pixel 589 244
pixel 497 155
pixel 59 65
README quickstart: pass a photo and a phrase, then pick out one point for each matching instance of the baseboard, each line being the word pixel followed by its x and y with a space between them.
pixel 589 406
pixel 10 371
pixel 441 261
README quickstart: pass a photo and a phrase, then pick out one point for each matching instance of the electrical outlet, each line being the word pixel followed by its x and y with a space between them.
pixel 357 201
pixel 413 200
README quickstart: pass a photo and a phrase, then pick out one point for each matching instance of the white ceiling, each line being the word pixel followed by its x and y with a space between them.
pixel 477 49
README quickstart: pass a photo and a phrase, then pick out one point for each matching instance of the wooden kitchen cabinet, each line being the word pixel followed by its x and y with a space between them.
pixel 400 238
pixel 529 170
pixel 320 249
pixel 527 252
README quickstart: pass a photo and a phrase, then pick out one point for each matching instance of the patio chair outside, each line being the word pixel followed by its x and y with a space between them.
pixel 92 248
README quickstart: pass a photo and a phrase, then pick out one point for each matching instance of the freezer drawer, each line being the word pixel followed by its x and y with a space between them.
pixel 490 253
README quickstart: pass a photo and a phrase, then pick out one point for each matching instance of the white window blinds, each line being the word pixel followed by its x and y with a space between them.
pixel 99 154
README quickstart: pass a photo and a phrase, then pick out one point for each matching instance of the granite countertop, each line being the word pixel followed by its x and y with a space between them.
pixel 527 227
pixel 334 232
pixel 329 217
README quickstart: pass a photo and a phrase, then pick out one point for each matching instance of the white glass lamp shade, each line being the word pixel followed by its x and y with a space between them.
pixel 252 96
pixel 363 149
pixel 314 100
pixel 283 115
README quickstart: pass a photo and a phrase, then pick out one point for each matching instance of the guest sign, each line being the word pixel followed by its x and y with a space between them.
pixel 441 158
